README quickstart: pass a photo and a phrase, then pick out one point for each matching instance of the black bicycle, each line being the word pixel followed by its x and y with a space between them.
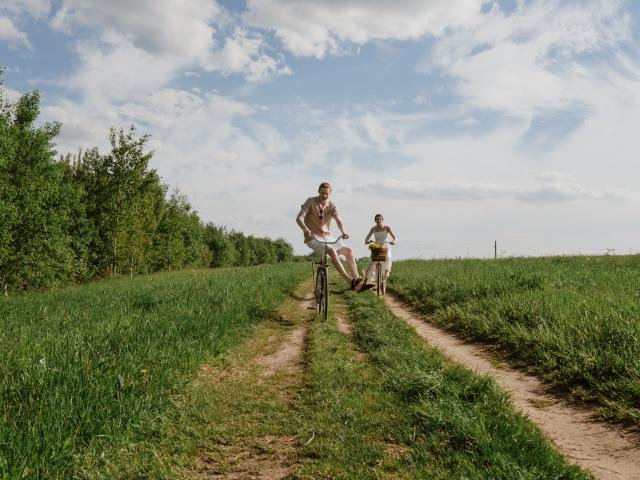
pixel 321 281
pixel 379 257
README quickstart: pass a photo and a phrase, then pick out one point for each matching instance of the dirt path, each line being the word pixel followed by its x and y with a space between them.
pixel 270 365
pixel 347 330
pixel 608 452
pixel 288 358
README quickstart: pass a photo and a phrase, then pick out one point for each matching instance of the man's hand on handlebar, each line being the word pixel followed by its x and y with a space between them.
pixel 345 236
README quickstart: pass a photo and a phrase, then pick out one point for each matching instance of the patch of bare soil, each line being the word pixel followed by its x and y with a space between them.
pixel 606 451
pixel 347 329
pixel 344 326
pixel 266 459
pixel 288 358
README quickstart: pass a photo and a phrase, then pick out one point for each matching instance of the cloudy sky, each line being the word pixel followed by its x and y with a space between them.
pixel 462 121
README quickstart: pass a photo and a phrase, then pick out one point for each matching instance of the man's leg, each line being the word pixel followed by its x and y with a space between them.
pixel 338 264
pixel 351 261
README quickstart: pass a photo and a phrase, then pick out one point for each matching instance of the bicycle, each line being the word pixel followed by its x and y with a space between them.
pixel 321 282
pixel 379 258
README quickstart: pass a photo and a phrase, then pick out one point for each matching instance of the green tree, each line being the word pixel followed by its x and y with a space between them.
pixel 223 251
pixel 124 201
pixel 283 250
pixel 179 240
pixel 35 242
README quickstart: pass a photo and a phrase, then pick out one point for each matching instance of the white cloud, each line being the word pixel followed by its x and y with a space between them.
pixel 245 53
pixel 312 28
pixel 118 70
pixel 10 34
pixel 534 58
pixel 171 27
pixel 35 8
pixel 552 176
pixel 468 121
pixel 548 192
pixel 12 95
pixel 175 34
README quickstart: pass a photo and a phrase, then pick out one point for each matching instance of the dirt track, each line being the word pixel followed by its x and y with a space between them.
pixel 273 367
pixel 606 451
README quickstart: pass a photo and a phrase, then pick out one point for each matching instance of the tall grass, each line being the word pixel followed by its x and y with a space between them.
pixel 576 320
pixel 455 424
pixel 85 367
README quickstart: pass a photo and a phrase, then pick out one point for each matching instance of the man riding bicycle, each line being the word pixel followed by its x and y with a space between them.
pixel 314 219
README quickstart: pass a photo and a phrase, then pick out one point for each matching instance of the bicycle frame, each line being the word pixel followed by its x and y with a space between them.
pixel 381 283
pixel 321 281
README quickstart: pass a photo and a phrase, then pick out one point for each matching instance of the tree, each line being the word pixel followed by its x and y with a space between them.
pixel 223 251
pixel 35 241
pixel 179 240
pixel 124 202
pixel 283 250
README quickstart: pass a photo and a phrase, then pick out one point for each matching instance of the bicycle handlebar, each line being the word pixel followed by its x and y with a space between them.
pixel 331 243
pixel 371 241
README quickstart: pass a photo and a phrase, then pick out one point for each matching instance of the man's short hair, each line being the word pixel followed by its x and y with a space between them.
pixel 378 215
pixel 324 185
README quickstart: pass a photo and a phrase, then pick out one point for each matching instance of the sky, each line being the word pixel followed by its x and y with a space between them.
pixel 464 122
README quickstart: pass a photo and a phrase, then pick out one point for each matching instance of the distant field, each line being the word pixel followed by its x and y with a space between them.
pixel 576 320
pixel 92 367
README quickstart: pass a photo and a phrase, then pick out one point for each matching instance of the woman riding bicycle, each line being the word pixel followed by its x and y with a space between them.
pixel 314 219
pixel 381 233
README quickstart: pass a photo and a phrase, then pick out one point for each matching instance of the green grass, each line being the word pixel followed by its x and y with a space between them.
pixel 575 320
pixel 463 426
pixel 93 368
pixel 405 412
pixel 349 418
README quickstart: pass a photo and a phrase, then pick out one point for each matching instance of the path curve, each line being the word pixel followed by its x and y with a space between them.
pixel 609 453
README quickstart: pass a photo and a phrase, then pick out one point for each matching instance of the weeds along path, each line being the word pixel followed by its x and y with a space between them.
pixel 246 402
pixel 608 452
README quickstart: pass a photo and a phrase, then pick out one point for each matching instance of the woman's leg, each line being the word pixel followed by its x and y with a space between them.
pixel 371 272
pixel 387 266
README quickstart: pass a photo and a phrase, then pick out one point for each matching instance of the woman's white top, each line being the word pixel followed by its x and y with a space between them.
pixel 381 236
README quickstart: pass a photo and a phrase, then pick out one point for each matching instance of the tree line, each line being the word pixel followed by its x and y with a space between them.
pixel 76 217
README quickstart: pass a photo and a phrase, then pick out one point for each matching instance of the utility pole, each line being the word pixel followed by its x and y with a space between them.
pixel 495 249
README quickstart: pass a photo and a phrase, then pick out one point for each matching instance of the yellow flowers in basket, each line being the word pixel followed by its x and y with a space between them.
pixel 378 251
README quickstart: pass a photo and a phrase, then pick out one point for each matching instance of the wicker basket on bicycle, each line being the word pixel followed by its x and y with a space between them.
pixel 378 252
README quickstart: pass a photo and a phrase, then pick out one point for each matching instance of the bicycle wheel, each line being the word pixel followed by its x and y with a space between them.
pixel 325 296
pixel 318 293
pixel 378 278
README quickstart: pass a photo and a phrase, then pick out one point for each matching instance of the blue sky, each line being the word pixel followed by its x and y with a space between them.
pixel 462 121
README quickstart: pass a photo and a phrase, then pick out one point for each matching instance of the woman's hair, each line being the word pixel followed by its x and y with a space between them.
pixel 324 185
pixel 378 215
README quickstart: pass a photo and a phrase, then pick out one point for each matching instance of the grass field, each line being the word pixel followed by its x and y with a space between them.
pixel 576 320
pixel 92 368
pixel 405 412
pixel 449 422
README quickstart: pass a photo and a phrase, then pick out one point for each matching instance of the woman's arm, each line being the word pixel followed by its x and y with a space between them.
pixel 392 235
pixel 366 240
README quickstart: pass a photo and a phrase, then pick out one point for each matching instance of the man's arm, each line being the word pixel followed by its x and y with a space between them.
pixel 340 225
pixel 300 221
